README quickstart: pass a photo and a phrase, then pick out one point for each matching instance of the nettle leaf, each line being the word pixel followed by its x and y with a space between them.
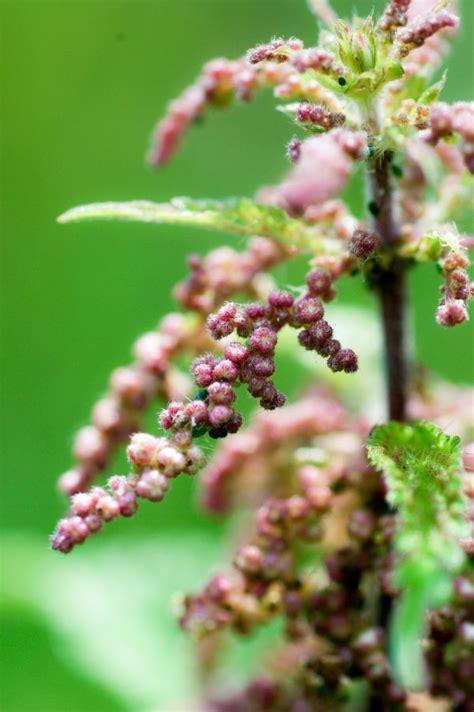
pixel 421 466
pixel 240 216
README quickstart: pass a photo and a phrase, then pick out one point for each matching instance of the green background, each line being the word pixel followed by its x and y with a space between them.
pixel 82 85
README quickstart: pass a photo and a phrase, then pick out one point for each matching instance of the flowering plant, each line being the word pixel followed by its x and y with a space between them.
pixel 360 534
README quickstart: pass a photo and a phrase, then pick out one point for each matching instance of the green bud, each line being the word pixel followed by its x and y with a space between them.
pixel 364 50
pixel 357 49
pixel 393 71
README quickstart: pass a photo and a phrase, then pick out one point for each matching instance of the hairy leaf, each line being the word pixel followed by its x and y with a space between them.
pixel 421 466
pixel 237 216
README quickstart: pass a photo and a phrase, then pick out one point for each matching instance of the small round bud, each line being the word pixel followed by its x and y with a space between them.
pixel 281 300
pixel 152 485
pixel 77 529
pixel 363 243
pixel 293 150
pixel 308 310
pixel 73 481
pixel 237 353
pixel 143 449
pixel 220 415
pixel 127 503
pixel 94 523
pixel 330 348
pixel 263 340
pixel 321 331
pixel 262 366
pixel 256 311
pixel 197 410
pixel 82 504
pixel 171 461
pixel 344 360
pixel 221 393
pixel 319 282
pixel 107 507
pixel 225 370
pixel 219 327
pixel 452 313
pixel 91 446
pixel 202 374
pixel 195 460
pixel 235 423
pixel 249 559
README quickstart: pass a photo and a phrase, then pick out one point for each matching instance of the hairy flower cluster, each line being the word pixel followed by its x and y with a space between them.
pixel 211 411
pixel 446 120
pixel 450 647
pixel 394 16
pixel 322 616
pixel 425 60
pixel 279 65
pixel 423 27
pixel 259 324
pixel 220 83
pixel 457 290
pixel 225 272
pixel 333 153
pixel 275 51
pixel 363 243
pixel 317 115
pixel 253 464
pixel 155 461
pixel 131 390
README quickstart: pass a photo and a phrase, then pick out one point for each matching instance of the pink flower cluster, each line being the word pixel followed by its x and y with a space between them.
pixel 317 115
pixel 155 461
pixel 277 50
pixel 224 272
pixel 322 619
pixel 304 187
pixel 248 467
pixel 394 16
pixel 260 324
pixel 363 243
pixel 457 290
pixel 131 389
pixel 425 59
pixel 446 120
pixel 220 83
pixel 212 411
pixel 278 65
pixel 423 27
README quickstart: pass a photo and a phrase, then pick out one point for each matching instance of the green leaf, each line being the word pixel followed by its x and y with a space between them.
pixel 240 216
pixel 421 466
pixel 432 93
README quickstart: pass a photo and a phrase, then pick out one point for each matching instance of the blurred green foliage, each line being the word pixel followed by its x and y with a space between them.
pixel 82 85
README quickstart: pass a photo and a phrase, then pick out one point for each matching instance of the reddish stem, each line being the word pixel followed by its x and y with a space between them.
pixel 391 287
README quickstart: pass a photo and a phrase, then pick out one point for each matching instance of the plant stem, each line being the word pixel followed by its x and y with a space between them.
pixel 391 288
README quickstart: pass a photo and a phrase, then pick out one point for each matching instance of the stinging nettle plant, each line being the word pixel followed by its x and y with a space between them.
pixel 360 534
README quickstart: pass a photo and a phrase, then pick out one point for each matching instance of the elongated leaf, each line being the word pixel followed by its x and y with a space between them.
pixel 239 217
pixel 421 466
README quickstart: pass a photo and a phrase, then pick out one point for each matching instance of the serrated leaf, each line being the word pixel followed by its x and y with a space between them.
pixel 421 466
pixel 239 217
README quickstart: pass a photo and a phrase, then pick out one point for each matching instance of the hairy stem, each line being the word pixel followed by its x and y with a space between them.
pixel 391 289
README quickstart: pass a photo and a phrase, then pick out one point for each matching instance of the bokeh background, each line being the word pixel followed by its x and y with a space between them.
pixel 82 84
